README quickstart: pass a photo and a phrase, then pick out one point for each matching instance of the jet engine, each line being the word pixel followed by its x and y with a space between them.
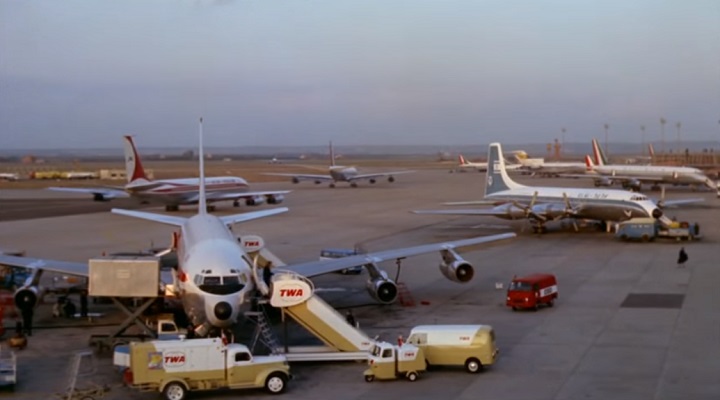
pixel 657 213
pixel 255 201
pixel 602 182
pixel 372 180
pixel 382 289
pixel 27 297
pixel 275 199
pixel 391 179
pixel 99 197
pixel 458 271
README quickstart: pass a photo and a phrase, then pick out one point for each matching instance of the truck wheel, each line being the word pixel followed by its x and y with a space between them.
pixel 369 378
pixel 275 383
pixel 174 391
pixel 473 365
pixel 645 238
pixel 551 303
pixel 412 376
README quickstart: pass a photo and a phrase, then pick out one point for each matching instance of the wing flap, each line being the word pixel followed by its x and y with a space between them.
pixel 377 175
pixel 63 267
pixel 303 177
pixel 249 216
pixel 161 218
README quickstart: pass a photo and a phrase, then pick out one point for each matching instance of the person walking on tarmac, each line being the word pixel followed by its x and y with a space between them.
pixel 350 318
pixel 682 258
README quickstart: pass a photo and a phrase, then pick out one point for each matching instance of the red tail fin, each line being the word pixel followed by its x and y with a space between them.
pixel 133 167
pixel 462 159
pixel 589 166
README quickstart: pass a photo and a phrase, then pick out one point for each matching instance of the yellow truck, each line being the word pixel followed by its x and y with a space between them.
pixel 388 361
pixel 470 346
pixel 176 367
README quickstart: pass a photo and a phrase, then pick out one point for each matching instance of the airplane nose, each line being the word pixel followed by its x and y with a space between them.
pixel 657 213
pixel 223 310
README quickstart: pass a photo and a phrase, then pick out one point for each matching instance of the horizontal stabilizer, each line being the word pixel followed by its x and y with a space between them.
pixel 161 218
pixel 249 216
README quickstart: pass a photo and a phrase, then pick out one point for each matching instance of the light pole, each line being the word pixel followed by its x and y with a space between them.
pixel 662 134
pixel 679 147
pixel 607 154
pixel 642 140
pixel 562 144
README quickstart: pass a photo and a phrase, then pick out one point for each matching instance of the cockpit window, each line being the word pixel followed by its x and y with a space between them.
pixel 221 285
pixel 638 198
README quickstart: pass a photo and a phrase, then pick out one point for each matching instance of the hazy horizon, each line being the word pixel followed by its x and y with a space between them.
pixel 79 74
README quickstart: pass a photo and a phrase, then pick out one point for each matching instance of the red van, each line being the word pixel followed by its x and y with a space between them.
pixel 532 291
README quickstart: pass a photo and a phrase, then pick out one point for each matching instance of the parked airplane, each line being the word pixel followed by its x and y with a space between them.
pixel 465 164
pixel 175 192
pixel 633 176
pixel 8 176
pixel 542 204
pixel 216 277
pixel 538 166
pixel 338 173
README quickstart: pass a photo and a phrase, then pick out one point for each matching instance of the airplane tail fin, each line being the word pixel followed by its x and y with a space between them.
pixel 461 159
pixel 202 200
pixel 133 167
pixel 651 150
pixel 600 159
pixel 497 178
pixel 589 165
pixel 332 155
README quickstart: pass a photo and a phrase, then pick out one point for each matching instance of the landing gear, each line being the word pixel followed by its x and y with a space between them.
pixel 391 179
pixel 372 181
pixel 171 207
pixel 210 208
pixel 539 229
pixel 353 184
pixel 236 203
pixel 332 185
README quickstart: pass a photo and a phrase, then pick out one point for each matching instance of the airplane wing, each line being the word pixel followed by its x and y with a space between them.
pixel 377 175
pixel 472 203
pixel 471 211
pixel 677 202
pixel 107 193
pixel 248 216
pixel 315 268
pixel 63 267
pixel 303 177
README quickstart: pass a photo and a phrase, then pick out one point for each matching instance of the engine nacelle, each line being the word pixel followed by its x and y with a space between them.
pixel 550 210
pixel 383 290
pixel 275 199
pixel 27 297
pixel 458 271
pixel 255 201
pixel 99 197
pixel 510 211
pixel 602 182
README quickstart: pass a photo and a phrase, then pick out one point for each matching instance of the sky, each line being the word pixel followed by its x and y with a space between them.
pixel 81 73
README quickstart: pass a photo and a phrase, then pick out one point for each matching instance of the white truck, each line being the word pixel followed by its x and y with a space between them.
pixel 176 367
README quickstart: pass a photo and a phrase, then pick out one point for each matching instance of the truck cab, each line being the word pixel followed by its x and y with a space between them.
pixel 388 361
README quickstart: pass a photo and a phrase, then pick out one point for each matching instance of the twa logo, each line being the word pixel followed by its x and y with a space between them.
pixel 291 292
pixel 175 359
pixel 252 243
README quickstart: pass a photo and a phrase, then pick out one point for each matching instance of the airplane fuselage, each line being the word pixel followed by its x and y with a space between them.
pixel 590 203
pixel 185 191
pixel 342 174
pixel 679 175
pixel 214 275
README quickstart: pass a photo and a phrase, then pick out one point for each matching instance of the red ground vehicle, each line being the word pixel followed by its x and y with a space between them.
pixel 532 291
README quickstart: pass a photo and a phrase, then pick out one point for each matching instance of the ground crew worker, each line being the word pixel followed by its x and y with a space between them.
pixel 84 303
pixel 267 274
pixel 682 258
pixel 27 319
pixel 350 318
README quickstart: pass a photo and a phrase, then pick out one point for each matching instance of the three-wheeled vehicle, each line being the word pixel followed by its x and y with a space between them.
pixel 388 361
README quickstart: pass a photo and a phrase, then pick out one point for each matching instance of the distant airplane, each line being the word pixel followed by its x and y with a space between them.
pixel 542 204
pixel 216 279
pixel 463 164
pixel 338 173
pixel 7 176
pixel 538 166
pixel 175 192
pixel 633 176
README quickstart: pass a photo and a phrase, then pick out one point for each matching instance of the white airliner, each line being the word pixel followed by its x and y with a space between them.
pixel 216 277
pixel 9 176
pixel 175 192
pixel 542 204
pixel 339 173
pixel 465 164
pixel 538 166
pixel 633 176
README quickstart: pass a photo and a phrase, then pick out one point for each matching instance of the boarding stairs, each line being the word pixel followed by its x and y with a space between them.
pixel 263 332
pixel 295 296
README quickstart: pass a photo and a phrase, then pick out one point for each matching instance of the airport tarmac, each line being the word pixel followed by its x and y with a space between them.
pixel 591 345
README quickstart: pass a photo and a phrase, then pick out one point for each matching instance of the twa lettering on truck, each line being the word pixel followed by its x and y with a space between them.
pixel 174 359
